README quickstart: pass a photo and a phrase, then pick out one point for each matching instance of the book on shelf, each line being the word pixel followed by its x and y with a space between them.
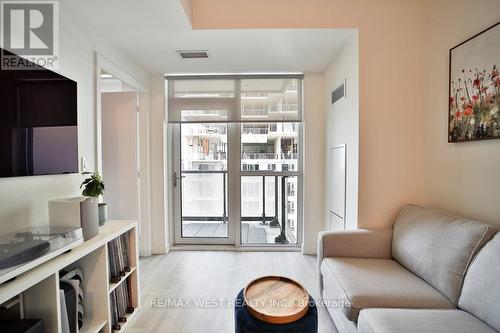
pixel 118 253
pixel 121 304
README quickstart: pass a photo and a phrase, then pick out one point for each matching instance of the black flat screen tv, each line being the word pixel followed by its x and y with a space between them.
pixel 38 122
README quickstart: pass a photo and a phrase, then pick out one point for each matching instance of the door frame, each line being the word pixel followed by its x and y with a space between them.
pixel 144 222
pixel 234 201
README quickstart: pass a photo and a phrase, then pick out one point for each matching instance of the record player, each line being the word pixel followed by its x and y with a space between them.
pixel 27 248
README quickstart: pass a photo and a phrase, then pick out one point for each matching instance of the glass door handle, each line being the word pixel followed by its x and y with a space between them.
pixel 177 178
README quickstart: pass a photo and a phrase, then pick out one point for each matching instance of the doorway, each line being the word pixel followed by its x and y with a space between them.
pixel 119 132
pixel 122 131
pixel 201 182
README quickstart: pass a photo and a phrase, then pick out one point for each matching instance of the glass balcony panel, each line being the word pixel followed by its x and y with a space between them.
pixel 204 205
pixel 203 194
pixel 264 207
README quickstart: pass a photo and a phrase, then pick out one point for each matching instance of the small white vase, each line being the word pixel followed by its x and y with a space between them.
pixel 103 213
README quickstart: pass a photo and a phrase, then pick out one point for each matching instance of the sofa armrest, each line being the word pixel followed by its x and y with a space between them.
pixel 361 243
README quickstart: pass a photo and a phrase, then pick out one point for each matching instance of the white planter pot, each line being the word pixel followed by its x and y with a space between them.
pixel 103 213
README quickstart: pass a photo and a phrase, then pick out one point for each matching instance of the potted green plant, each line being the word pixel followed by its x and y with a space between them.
pixel 94 187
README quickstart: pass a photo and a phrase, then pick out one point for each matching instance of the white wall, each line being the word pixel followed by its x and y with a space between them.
pixel 23 200
pixel 342 126
pixel 463 178
pixel 119 154
pixel 314 159
pixel 159 236
pixel 187 5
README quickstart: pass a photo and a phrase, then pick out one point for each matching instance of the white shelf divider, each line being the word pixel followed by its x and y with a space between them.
pixel 112 286
pixel 93 325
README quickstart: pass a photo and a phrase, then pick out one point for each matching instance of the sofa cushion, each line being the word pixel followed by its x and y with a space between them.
pixel 481 291
pixel 438 247
pixel 418 321
pixel 359 283
pixel 342 324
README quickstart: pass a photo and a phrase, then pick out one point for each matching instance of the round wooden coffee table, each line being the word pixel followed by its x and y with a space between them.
pixel 276 299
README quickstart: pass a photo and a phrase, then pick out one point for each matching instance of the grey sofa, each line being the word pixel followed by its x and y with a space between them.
pixel 431 272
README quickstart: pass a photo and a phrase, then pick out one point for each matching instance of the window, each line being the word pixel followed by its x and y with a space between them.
pixel 235 99
pixel 264 115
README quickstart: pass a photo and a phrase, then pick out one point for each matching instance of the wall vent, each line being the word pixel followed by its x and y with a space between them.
pixel 193 54
pixel 338 93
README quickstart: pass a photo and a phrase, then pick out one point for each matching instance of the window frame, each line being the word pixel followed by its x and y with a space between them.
pixel 235 172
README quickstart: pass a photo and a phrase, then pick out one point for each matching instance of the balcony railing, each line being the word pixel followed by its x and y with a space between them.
pixel 284 108
pixel 283 127
pixel 273 220
pixel 254 112
pixel 259 156
pixel 269 156
pixel 262 130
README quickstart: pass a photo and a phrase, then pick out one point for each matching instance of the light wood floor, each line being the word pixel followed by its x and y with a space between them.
pixel 212 274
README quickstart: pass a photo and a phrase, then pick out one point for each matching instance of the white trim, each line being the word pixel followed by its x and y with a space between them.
pixel 144 175
pixel 233 241
pixel 159 250
pixel 102 63
pixel 116 71
pixel 235 176
pixel 266 75
pixel 275 248
pixel 235 172
pixel 170 190
pixel 300 188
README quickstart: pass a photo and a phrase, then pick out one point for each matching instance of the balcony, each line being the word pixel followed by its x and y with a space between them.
pixel 265 204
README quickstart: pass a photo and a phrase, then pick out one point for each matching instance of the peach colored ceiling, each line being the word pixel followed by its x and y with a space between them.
pixel 237 14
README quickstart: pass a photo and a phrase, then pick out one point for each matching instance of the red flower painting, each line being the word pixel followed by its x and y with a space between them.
pixel 474 101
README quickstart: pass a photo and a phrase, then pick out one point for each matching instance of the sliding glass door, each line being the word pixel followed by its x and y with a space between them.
pixel 237 160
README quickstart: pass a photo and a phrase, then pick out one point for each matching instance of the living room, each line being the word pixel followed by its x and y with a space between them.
pixel 348 147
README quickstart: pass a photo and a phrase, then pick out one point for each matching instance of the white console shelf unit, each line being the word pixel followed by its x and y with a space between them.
pixel 39 287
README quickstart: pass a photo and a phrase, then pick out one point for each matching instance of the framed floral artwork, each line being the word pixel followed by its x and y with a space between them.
pixel 474 88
